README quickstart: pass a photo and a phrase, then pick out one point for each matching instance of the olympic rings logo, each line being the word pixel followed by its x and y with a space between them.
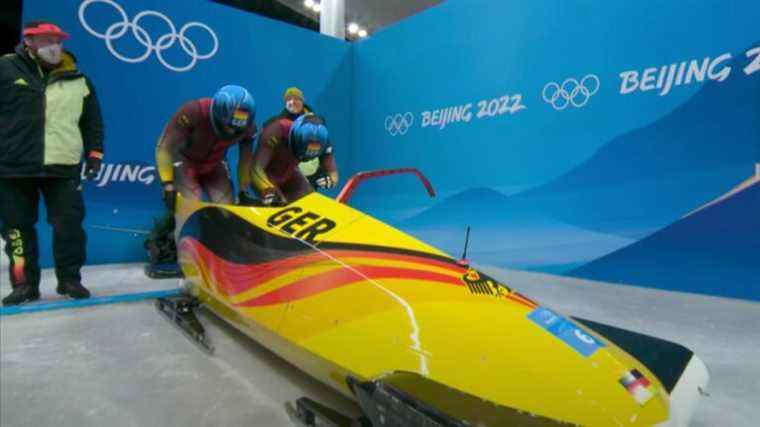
pixel 164 42
pixel 399 124
pixel 571 92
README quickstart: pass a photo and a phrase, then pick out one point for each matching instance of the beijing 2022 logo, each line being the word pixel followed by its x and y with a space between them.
pixel 163 42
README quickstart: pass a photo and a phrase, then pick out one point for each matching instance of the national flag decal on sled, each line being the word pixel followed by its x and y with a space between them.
pixel 637 385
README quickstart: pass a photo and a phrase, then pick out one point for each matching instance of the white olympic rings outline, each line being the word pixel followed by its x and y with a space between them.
pixel 166 41
pixel 568 92
pixel 399 124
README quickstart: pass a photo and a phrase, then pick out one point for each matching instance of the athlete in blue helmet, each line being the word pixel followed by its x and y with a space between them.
pixel 308 138
pixel 190 157
pixel 232 111
pixel 284 143
pixel 192 149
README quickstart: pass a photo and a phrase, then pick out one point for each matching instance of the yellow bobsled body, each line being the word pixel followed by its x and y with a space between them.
pixel 340 294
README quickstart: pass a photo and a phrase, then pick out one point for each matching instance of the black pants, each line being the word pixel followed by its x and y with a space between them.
pixel 19 199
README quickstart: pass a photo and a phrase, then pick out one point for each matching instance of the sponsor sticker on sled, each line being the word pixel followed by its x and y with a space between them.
pixel 565 330
pixel 637 385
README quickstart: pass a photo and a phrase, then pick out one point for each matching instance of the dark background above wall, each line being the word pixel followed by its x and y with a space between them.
pixel 10 25
pixel 274 10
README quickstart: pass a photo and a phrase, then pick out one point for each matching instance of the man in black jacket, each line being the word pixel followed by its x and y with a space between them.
pixel 49 120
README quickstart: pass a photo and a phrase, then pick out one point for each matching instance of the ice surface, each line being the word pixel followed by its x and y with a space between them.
pixel 124 365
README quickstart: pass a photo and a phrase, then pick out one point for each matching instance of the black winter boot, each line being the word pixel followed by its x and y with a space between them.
pixel 21 294
pixel 73 289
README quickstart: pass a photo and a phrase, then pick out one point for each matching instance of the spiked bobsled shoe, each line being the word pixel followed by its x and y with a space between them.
pixel 73 289
pixel 22 294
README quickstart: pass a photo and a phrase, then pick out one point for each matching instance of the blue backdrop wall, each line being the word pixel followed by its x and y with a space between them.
pixel 143 73
pixel 566 131
pixel 603 140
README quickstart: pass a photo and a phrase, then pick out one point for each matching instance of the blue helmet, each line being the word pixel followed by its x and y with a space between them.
pixel 309 137
pixel 233 110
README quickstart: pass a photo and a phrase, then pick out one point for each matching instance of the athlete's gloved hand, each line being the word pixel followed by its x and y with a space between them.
pixel 170 197
pixel 325 181
pixel 268 198
pixel 92 165
pixel 246 199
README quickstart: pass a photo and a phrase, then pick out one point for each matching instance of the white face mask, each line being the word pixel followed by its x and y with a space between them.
pixel 52 54
pixel 290 105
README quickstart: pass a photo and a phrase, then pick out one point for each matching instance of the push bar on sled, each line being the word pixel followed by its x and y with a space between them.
pixel 353 183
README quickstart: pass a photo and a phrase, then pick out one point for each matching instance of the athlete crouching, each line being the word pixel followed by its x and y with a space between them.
pixel 282 145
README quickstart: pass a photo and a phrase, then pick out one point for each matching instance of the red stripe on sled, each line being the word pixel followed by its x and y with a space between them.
pixel 233 278
pixel 338 278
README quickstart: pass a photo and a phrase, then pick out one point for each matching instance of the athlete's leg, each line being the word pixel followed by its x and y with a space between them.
pixel 295 187
pixel 218 184
pixel 187 181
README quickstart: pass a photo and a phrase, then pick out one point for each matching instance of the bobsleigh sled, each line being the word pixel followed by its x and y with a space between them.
pixel 413 335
